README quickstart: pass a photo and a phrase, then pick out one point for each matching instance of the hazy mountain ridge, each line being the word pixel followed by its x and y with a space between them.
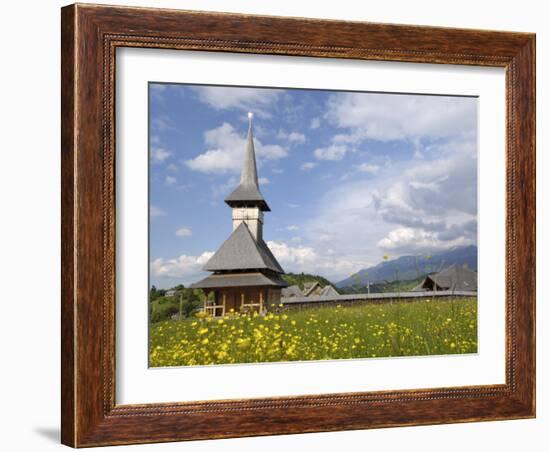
pixel 412 267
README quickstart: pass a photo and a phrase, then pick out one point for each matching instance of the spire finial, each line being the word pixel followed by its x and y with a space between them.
pixel 249 175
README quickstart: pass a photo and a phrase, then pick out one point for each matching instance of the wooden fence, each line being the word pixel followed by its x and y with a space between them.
pixel 371 298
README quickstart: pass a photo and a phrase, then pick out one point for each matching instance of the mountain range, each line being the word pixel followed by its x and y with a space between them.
pixel 412 267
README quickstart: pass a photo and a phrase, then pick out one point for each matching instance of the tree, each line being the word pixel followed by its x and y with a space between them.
pixel 155 293
pixel 189 302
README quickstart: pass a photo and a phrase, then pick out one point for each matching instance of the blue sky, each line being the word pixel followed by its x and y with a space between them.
pixel 350 177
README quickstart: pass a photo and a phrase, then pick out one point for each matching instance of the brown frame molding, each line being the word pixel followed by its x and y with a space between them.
pixel 90 35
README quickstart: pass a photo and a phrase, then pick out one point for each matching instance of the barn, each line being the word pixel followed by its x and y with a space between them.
pixel 455 278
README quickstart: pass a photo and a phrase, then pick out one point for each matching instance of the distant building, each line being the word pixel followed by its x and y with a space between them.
pixel 246 276
pixel 170 293
pixel 455 278
pixel 311 289
pixel 292 291
pixel 328 291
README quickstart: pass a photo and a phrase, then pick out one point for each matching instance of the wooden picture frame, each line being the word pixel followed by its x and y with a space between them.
pixel 90 36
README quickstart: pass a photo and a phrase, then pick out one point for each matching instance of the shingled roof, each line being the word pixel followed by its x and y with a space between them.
pixel 329 291
pixel 242 252
pixel 455 277
pixel 292 291
pixel 239 280
pixel 248 192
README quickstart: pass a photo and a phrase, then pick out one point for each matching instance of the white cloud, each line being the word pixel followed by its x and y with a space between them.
pixel 292 227
pixel 186 268
pixel 257 100
pixel 333 152
pixel 315 123
pixel 162 123
pixel 184 232
pixel 277 170
pixel 263 181
pixel 367 168
pixel 222 190
pixel 170 180
pixel 308 166
pixel 159 154
pixel 385 117
pixel 292 137
pixel 297 137
pixel 415 240
pixel 427 185
pixel 398 117
pixel 408 207
pixel 269 151
pixel 157 91
pixel 155 211
pixel 308 260
pixel 293 206
pixel 172 167
pixel 288 254
pixel 226 151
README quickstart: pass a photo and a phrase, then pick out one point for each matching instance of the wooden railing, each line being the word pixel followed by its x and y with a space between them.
pixel 250 306
pixel 212 310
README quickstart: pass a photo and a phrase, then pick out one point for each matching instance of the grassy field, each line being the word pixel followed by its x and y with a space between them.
pixel 428 327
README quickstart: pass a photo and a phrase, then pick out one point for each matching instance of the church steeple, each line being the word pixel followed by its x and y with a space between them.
pixel 249 173
pixel 248 194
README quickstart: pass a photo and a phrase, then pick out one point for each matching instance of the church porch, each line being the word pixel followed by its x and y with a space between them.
pixel 244 300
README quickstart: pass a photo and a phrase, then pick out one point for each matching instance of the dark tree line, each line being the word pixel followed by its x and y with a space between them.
pixel 181 303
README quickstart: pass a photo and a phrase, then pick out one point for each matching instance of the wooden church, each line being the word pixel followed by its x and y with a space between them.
pixel 245 275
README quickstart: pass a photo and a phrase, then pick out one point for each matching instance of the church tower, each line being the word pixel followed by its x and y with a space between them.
pixel 246 276
pixel 246 201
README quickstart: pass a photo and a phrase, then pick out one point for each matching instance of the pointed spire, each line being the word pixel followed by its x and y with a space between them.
pixel 248 192
pixel 249 174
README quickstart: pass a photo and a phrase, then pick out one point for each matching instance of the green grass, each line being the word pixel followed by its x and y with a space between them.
pixel 428 327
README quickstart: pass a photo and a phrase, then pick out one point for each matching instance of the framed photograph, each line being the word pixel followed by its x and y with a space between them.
pixel 282 225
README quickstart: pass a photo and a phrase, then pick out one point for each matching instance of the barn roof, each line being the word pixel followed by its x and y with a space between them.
pixel 248 192
pixel 309 287
pixel 328 291
pixel 455 277
pixel 239 280
pixel 292 291
pixel 242 252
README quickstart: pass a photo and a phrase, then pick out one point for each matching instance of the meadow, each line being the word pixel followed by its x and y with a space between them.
pixel 427 327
